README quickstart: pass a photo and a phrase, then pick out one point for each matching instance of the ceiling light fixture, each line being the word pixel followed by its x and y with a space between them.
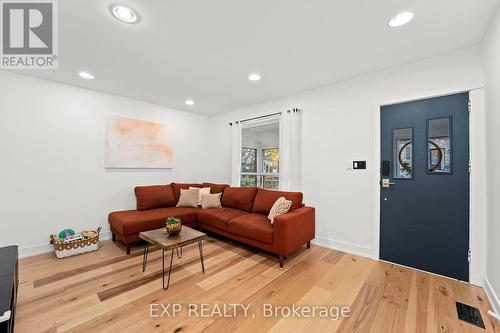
pixel 86 75
pixel 124 13
pixel 401 19
pixel 189 102
pixel 254 77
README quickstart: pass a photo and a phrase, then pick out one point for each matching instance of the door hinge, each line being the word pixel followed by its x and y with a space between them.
pixel 468 255
pixel 470 167
pixel 470 106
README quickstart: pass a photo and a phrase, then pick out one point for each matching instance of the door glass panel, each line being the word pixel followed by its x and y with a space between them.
pixel 439 146
pixel 403 153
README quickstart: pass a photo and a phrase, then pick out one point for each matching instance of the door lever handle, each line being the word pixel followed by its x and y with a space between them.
pixel 386 183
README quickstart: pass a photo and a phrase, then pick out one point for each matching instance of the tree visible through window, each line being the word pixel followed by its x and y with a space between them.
pixel 248 165
pixel 270 168
pixel 270 160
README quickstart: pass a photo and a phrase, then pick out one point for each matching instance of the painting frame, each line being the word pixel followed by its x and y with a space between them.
pixel 132 143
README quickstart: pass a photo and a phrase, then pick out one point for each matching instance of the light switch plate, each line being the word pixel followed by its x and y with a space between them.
pixel 359 165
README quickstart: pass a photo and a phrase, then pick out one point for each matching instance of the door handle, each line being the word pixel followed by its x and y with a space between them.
pixel 386 183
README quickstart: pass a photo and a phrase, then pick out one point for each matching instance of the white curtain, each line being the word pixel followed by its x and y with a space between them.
pixel 236 154
pixel 290 143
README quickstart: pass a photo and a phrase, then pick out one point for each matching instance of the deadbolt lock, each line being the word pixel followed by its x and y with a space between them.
pixel 386 183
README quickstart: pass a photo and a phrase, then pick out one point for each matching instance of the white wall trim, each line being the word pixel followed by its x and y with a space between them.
pixel 492 295
pixel 477 219
pixel 343 246
pixel 33 250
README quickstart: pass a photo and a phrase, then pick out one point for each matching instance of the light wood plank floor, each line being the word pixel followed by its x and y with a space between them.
pixel 106 291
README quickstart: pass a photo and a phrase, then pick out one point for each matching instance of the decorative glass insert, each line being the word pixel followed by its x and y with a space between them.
pixel 439 155
pixel 403 153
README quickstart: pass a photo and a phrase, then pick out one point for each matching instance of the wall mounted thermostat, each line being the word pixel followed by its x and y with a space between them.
pixel 359 165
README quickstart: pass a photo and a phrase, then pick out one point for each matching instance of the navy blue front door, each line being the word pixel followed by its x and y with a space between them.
pixel 424 220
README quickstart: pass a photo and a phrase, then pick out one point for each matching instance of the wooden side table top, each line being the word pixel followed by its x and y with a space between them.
pixel 160 237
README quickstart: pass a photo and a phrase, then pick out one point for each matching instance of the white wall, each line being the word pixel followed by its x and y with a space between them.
pixel 338 127
pixel 52 150
pixel 492 75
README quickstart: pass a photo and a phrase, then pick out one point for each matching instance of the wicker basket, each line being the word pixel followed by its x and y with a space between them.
pixel 63 250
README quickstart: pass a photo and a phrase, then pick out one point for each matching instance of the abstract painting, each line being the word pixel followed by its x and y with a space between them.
pixel 134 143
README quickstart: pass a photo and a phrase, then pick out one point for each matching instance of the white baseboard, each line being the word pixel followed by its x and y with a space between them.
pixel 33 250
pixel 343 246
pixel 492 295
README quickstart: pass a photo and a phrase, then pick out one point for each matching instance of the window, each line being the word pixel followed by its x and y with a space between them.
pixel 260 156
pixel 270 168
pixel 248 160
pixel 403 153
pixel 439 157
pixel 248 165
pixel 270 160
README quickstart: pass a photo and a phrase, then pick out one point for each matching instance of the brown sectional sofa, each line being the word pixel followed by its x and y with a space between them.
pixel 243 216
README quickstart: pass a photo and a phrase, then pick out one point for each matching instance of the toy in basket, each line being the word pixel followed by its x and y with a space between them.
pixel 70 243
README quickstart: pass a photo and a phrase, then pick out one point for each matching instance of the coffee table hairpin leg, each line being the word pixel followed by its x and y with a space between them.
pixel 179 255
pixel 145 257
pixel 169 269
pixel 200 248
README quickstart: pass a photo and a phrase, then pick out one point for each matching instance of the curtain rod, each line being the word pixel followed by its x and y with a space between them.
pixel 265 116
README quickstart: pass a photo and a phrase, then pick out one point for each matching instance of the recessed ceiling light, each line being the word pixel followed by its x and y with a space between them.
pixel 124 13
pixel 86 75
pixel 401 19
pixel 254 77
pixel 189 102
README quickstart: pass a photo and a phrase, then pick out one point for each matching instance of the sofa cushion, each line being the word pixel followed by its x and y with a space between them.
pixel 215 188
pixel 239 198
pixel 201 192
pixel 211 201
pixel 218 217
pixel 189 198
pixel 133 221
pixel 265 199
pixel 176 187
pixel 254 226
pixel 280 207
pixel 156 196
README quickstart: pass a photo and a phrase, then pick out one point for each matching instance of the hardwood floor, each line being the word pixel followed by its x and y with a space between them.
pixel 106 291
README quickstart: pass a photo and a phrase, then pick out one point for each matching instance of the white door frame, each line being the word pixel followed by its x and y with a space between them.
pixel 477 201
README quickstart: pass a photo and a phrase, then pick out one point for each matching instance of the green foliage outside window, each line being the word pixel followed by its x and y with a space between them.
pixel 248 160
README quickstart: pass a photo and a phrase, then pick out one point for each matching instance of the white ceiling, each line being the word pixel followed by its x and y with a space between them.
pixel 204 50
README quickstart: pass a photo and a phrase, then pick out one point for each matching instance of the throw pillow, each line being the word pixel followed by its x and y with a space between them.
pixel 203 190
pixel 211 200
pixel 280 207
pixel 188 198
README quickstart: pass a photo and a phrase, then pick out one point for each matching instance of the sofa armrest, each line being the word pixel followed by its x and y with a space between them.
pixel 294 229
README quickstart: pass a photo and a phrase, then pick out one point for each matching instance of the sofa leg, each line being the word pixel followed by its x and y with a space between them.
pixel 113 237
pixel 281 261
pixel 309 244
pixel 128 248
